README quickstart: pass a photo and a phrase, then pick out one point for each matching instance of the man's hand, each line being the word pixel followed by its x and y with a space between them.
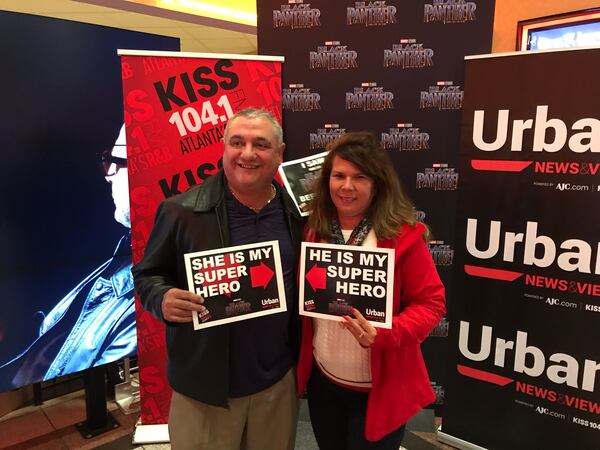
pixel 177 305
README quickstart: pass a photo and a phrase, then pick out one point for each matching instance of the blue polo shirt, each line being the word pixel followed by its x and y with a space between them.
pixel 260 353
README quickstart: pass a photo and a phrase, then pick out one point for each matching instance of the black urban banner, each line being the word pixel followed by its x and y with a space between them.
pixel 524 323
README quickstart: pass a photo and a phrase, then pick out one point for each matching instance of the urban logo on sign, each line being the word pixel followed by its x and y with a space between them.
pixel 571 255
pixel 550 135
pixel 526 359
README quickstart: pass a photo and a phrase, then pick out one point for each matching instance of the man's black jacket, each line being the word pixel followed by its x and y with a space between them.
pixel 190 222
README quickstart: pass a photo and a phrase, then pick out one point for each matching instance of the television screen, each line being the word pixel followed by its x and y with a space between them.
pixel 578 29
pixel 67 291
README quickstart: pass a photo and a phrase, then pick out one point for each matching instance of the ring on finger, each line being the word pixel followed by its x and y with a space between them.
pixel 361 335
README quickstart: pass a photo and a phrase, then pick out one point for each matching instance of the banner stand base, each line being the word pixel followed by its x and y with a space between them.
pixel 127 397
pixel 457 442
pixel 127 394
pixel 151 434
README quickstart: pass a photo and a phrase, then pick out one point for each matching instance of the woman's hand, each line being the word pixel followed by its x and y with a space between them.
pixel 363 331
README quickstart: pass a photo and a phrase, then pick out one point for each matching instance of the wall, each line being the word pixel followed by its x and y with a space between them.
pixel 509 12
pixel 193 32
pixel 9 401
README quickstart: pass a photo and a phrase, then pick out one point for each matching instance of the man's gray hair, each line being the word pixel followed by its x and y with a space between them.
pixel 257 113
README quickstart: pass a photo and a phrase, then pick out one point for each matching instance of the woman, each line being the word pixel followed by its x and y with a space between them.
pixel 364 383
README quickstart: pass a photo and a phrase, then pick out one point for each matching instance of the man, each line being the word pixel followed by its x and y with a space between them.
pixel 233 384
pixel 95 322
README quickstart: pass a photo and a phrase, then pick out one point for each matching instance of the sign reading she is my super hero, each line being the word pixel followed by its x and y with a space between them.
pixel 336 278
pixel 237 283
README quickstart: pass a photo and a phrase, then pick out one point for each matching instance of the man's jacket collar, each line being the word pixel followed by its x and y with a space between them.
pixel 213 189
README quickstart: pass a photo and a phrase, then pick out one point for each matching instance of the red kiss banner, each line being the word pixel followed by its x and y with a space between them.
pixel 176 108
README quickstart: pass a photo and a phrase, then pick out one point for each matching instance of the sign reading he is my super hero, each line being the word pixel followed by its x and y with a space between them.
pixel 336 278
pixel 237 283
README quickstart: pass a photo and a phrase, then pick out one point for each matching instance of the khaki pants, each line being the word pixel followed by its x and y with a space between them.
pixel 262 421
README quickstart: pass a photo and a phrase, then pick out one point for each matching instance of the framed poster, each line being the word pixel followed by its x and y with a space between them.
pixel 299 176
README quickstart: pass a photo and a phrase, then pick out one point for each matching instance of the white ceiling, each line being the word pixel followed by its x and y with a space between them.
pixel 194 34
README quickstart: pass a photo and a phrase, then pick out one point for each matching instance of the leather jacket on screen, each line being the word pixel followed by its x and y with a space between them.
pixel 93 324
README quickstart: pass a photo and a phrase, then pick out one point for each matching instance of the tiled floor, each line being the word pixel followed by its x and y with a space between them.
pixel 52 427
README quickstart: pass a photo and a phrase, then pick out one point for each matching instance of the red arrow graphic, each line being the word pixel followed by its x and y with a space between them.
pixel 317 277
pixel 483 375
pixel 499 165
pixel 260 275
pixel 486 272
